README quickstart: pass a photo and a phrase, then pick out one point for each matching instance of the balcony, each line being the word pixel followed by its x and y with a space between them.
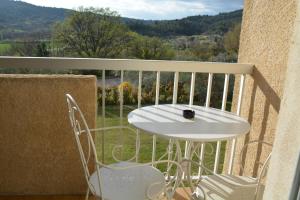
pixel 139 74
pixel 38 158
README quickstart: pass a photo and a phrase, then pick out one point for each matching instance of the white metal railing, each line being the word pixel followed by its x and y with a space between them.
pixel 157 66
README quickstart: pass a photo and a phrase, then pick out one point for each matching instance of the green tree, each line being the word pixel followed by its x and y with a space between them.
pixel 144 47
pixel 42 50
pixel 232 40
pixel 91 32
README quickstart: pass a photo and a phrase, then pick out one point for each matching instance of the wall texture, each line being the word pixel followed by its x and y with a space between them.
pixel 265 42
pixel 37 147
pixel 287 141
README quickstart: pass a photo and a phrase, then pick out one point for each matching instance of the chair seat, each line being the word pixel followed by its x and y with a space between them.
pixel 227 187
pixel 128 184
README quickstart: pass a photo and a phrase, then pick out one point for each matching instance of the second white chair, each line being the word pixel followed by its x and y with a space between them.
pixel 231 187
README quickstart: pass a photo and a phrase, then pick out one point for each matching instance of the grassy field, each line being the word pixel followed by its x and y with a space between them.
pixel 4 47
pixel 117 137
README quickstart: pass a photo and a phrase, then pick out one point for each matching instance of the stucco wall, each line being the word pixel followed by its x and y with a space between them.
pixel 37 147
pixel 265 42
pixel 287 141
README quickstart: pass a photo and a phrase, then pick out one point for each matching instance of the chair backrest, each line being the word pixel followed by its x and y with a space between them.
pixel 263 164
pixel 83 135
pixel 263 170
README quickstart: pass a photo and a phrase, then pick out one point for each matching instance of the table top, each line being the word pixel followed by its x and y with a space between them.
pixel 209 124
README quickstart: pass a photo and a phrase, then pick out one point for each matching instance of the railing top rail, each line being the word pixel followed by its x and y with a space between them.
pixel 57 63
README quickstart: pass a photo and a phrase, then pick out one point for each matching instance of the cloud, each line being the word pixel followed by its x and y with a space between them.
pixel 151 9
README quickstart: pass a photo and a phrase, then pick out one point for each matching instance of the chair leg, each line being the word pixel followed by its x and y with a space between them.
pixel 87 194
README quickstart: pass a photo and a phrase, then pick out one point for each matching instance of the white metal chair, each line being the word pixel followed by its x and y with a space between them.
pixel 230 187
pixel 122 180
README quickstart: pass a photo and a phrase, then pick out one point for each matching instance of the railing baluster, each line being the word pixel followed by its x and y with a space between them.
pixel 139 105
pixel 238 112
pixel 192 90
pixel 157 88
pixel 207 103
pixel 121 108
pixel 241 93
pixel 140 89
pixel 103 112
pixel 208 94
pixel 156 103
pixel 121 97
pixel 225 92
pixel 224 101
pixel 175 89
pixel 191 102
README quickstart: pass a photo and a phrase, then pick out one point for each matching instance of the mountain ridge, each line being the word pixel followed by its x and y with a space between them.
pixel 19 19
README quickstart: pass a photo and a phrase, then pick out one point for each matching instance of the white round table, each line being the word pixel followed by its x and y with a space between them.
pixel 208 125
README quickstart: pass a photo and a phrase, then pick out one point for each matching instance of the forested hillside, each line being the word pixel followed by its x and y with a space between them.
pixel 19 19
pixel 194 25
pixel 22 20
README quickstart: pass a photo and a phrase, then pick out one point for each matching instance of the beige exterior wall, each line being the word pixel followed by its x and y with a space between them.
pixel 287 141
pixel 266 34
pixel 37 147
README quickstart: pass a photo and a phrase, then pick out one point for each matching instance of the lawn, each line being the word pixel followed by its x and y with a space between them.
pixel 117 137
pixel 4 47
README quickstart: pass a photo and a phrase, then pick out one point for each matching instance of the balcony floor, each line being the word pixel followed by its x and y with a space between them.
pixel 180 195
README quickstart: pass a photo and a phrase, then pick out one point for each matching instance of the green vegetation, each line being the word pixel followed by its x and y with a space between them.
pixel 25 48
pixel 20 20
pixel 193 25
pixel 92 33
pixel 4 47
pixel 144 47
pixel 231 42
pixel 100 33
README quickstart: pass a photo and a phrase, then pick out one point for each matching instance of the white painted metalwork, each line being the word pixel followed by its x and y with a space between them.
pixel 217 157
pixel 121 99
pixel 209 85
pixel 238 112
pixel 232 155
pixel 192 89
pixel 103 114
pixel 156 103
pixel 140 88
pixel 123 180
pixel 175 87
pixel 123 64
pixel 241 93
pixel 191 102
pixel 174 101
pixel 225 92
pixel 207 104
pixel 157 87
pixel 139 105
pixel 121 96
pixel 230 187
pixel 209 124
pixel 224 102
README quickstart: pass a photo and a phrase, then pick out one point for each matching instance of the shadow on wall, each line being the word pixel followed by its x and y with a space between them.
pixel 271 99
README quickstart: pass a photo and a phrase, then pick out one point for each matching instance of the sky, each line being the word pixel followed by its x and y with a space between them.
pixel 150 9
